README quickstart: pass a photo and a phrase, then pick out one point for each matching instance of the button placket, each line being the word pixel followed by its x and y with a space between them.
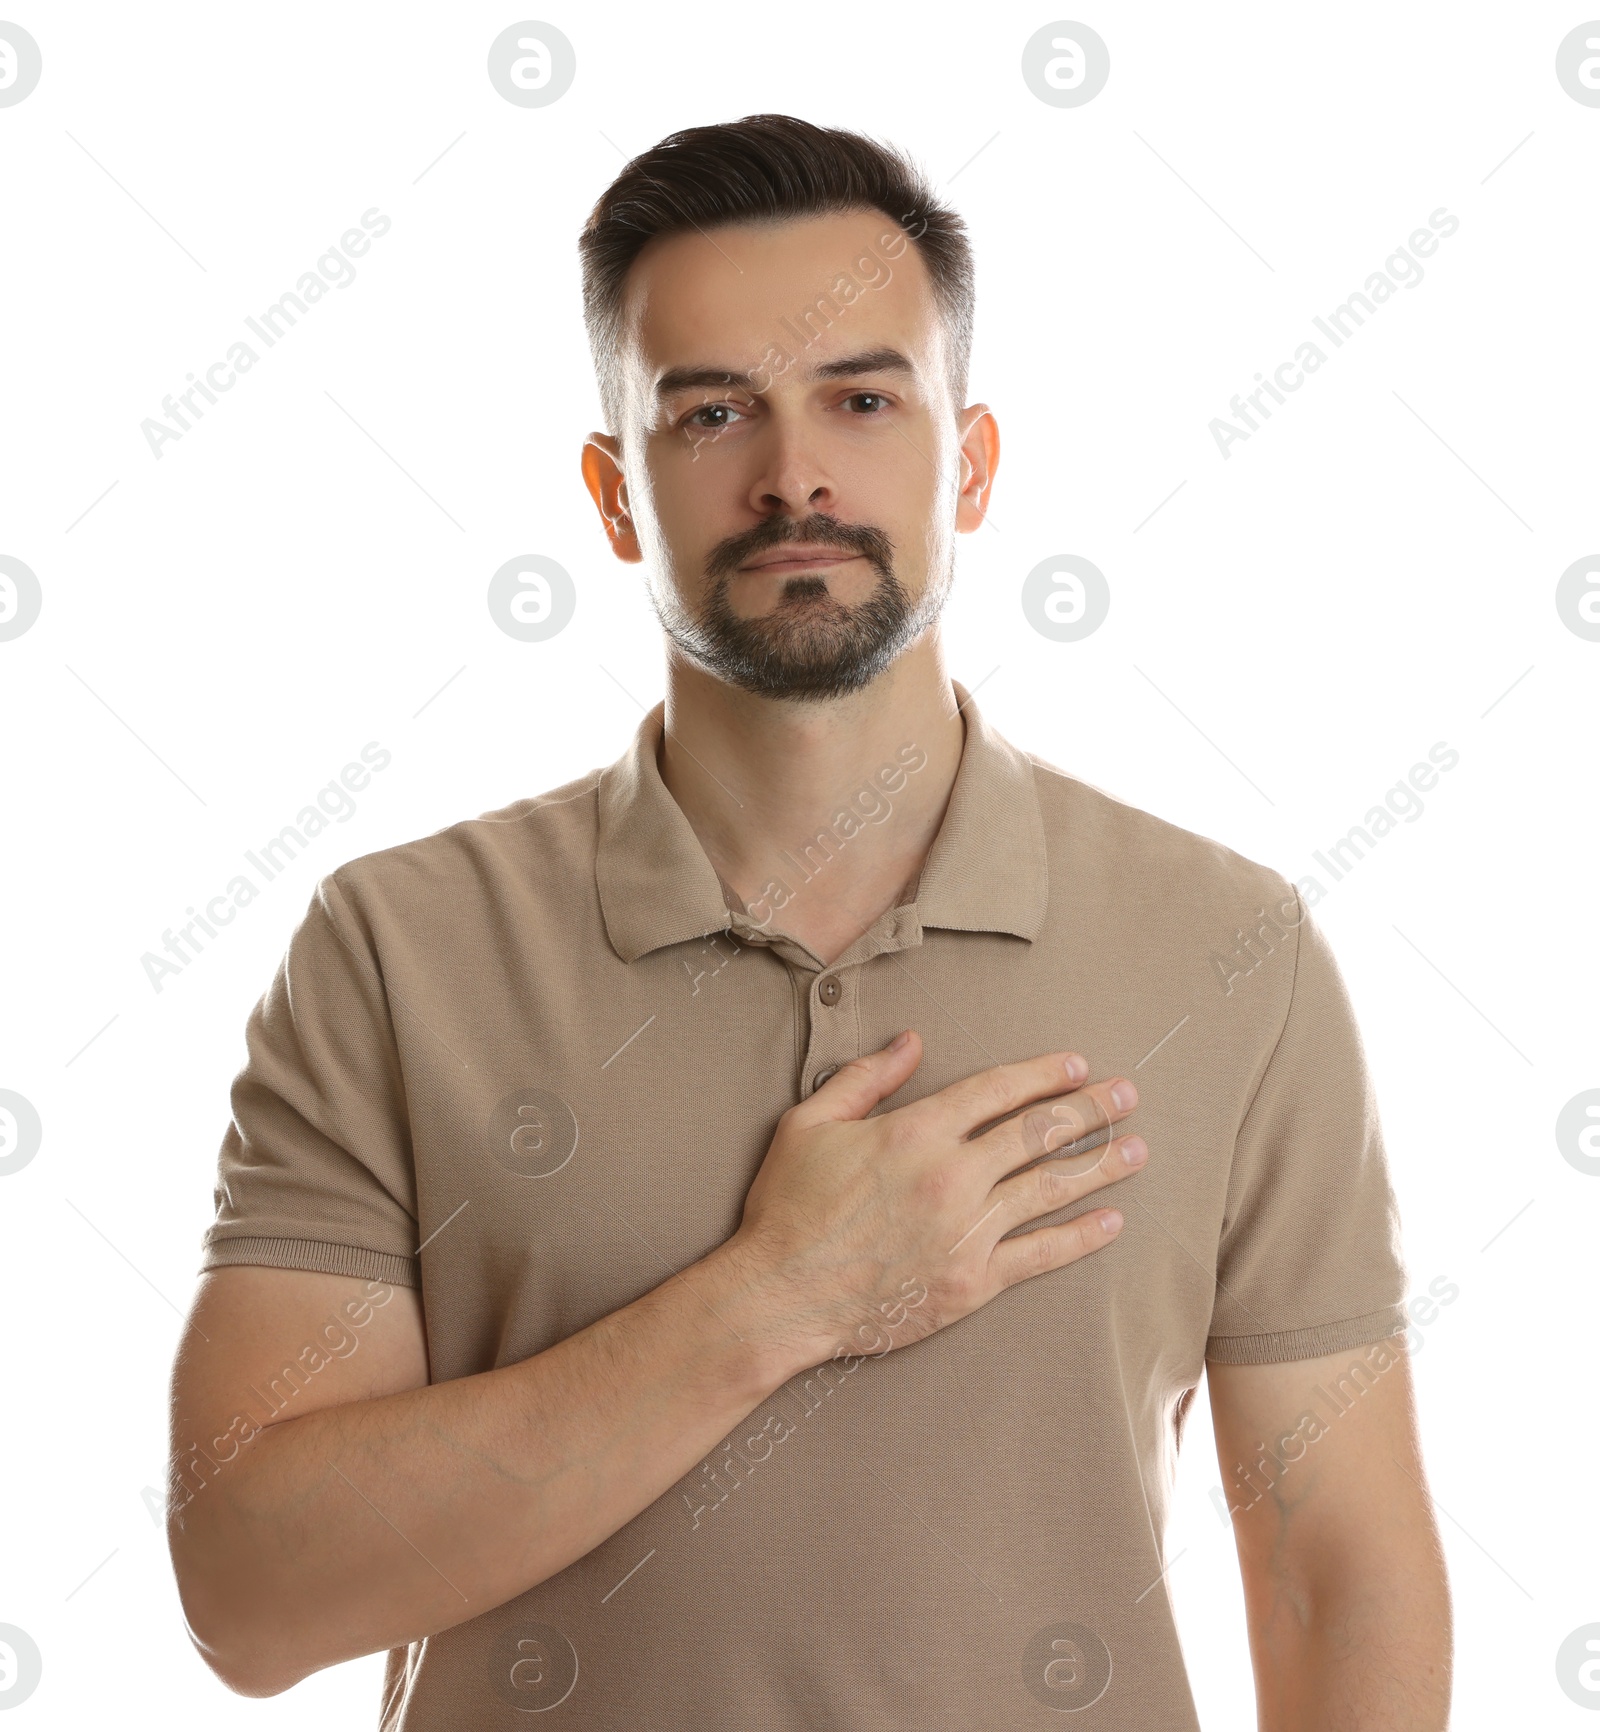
pixel 832 1036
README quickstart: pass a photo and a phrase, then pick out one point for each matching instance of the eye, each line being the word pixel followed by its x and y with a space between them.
pixel 874 397
pixel 692 419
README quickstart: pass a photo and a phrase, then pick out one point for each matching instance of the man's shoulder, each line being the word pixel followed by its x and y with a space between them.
pixel 1148 857
pixel 540 838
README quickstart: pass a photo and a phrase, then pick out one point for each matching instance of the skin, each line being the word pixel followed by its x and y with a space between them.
pixel 754 774
pixel 1344 1578
pixel 787 686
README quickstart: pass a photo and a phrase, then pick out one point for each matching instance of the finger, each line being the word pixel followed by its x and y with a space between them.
pixel 960 1107
pixel 1015 1259
pixel 857 1086
pixel 1055 1184
pixel 1050 1126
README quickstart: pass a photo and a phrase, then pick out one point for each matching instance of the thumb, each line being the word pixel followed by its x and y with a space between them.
pixel 856 1087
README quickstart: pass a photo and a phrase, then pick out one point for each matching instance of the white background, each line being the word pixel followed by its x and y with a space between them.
pixel 1289 632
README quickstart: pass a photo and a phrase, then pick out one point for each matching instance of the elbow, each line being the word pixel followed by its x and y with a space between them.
pixel 235 1646
pixel 238 1661
pixel 243 1679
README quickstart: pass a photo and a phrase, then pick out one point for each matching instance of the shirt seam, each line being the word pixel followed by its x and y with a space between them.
pixel 265 1243
pixel 1294 981
pixel 369 959
pixel 222 1235
pixel 1311 1328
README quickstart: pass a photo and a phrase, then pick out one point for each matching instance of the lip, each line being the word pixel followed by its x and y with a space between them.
pixel 806 555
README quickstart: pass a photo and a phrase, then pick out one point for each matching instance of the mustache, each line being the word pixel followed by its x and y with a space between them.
pixel 820 527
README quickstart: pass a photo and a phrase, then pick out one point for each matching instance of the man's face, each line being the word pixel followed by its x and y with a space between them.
pixel 792 466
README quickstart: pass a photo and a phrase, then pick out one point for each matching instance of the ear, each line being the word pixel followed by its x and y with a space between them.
pixel 608 487
pixel 980 457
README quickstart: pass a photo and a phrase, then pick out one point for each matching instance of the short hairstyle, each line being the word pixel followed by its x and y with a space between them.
pixel 766 168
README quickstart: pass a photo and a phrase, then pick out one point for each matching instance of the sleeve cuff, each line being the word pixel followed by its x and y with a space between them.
pixel 1290 1344
pixel 314 1255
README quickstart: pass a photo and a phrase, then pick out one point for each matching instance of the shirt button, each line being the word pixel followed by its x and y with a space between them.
pixel 821 1077
pixel 829 990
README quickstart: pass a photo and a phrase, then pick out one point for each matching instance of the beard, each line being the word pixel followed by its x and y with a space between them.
pixel 809 647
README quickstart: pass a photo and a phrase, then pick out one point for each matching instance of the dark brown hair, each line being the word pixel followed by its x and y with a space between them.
pixel 764 168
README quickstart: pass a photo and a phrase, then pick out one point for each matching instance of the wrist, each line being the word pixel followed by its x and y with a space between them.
pixel 752 1299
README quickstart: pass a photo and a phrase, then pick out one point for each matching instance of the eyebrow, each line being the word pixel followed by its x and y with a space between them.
pixel 677 379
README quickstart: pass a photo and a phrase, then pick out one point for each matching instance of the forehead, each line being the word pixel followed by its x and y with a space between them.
pixel 729 295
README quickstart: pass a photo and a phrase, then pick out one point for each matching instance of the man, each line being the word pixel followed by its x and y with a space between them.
pixel 672 1266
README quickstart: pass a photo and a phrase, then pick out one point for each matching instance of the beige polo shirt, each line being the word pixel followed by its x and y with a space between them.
pixel 543 1047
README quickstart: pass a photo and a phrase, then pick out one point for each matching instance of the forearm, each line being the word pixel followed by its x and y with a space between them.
pixel 372 1524
pixel 1366 1652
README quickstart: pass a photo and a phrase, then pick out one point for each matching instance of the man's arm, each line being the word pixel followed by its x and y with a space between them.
pixel 377 1508
pixel 1344 1577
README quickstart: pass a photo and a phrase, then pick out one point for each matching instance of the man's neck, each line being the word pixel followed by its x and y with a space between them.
pixel 837 802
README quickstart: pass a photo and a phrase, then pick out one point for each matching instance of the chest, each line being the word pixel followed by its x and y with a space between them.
pixel 578 1141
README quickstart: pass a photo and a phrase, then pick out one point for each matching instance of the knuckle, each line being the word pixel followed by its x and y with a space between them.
pixel 960 1293
pixel 1043 1132
pixel 992 1088
pixel 789 1126
pixel 902 1130
pixel 933 1184
pixel 1042 1253
pixel 966 1285
pixel 1107 1108
pixel 1057 1187
pixel 1070 1123
pixel 792 1115
pixel 1086 1235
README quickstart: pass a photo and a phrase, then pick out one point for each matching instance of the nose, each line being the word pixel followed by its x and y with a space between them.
pixel 792 478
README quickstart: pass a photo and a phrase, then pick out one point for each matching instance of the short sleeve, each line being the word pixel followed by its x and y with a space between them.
pixel 1309 1260
pixel 315 1170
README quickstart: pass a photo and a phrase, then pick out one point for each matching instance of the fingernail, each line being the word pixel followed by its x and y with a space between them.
pixel 1123 1096
pixel 900 1040
pixel 1111 1220
pixel 1134 1152
pixel 1076 1066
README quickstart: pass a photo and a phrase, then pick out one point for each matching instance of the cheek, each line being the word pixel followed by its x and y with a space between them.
pixel 659 505
pixel 906 488
pixel 682 518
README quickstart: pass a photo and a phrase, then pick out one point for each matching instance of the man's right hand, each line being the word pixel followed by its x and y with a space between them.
pixel 865 1234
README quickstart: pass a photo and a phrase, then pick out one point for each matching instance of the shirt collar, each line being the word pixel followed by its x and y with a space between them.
pixel 986 870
